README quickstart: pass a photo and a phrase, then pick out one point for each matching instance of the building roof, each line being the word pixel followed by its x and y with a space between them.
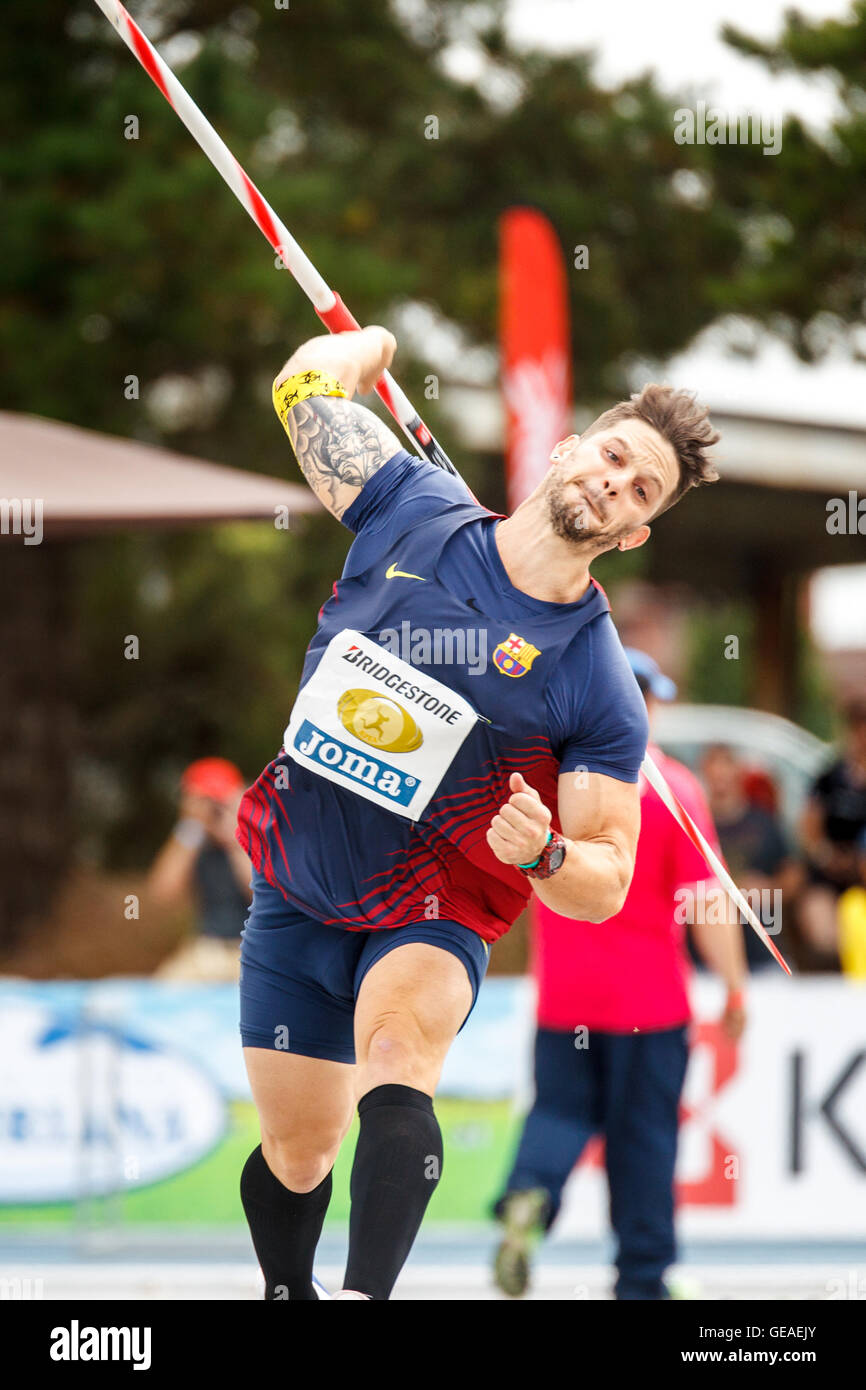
pixel 740 369
pixel 88 482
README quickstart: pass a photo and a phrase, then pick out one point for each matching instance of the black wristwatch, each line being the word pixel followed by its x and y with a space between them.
pixel 551 858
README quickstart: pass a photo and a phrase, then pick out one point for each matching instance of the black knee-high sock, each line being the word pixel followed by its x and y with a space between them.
pixel 285 1227
pixel 397 1166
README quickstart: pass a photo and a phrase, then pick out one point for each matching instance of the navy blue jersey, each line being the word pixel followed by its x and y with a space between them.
pixel 429 680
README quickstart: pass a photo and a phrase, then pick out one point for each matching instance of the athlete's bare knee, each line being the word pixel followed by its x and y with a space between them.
pixel 300 1165
pixel 397 1053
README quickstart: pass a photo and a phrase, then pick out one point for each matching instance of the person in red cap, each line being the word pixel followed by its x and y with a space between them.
pixel 202 862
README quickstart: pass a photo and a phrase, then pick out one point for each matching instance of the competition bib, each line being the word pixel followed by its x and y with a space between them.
pixel 376 725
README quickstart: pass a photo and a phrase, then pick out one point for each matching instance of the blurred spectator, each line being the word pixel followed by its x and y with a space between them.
pixel 201 862
pixel 611 1044
pixel 760 790
pixel 852 920
pixel 832 823
pixel 753 843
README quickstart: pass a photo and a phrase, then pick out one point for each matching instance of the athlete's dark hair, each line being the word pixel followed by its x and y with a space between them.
pixel 681 421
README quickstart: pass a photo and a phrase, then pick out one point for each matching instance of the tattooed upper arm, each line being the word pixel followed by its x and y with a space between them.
pixel 339 446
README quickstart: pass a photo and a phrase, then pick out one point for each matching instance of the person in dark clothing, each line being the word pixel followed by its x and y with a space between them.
pixel 833 821
pixel 202 861
pixel 754 845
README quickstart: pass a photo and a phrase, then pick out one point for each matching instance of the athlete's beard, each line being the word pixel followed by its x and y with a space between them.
pixel 566 521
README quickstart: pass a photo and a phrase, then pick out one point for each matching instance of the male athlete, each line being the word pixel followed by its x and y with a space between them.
pixel 464 670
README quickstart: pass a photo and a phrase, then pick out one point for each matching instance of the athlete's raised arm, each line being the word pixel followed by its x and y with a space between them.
pixel 339 444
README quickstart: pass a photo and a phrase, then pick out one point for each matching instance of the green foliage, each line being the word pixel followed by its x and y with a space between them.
pixel 817 710
pixel 222 619
pixel 713 679
pixel 804 273
pixel 143 234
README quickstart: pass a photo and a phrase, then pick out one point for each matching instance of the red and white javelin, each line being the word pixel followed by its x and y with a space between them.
pixel 682 817
pixel 334 314
pixel 327 304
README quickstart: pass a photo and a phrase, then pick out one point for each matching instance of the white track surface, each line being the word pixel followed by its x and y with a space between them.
pixel 233 1281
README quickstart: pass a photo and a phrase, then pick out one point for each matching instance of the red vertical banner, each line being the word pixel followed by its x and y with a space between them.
pixel 535 347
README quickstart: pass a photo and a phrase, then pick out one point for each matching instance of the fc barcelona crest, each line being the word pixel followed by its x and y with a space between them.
pixel 514 656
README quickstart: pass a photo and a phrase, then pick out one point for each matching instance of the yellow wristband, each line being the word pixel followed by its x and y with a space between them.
pixel 300 387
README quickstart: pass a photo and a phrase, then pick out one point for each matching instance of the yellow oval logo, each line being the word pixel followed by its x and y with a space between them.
pixel 379 721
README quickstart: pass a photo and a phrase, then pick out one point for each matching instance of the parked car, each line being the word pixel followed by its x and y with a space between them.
pixel 789 756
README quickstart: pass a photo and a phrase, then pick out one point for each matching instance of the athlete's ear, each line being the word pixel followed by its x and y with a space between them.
pixel 634 539
pixel 559 449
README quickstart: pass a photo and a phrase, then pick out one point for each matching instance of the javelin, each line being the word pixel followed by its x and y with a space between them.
pixel 327 304
pixel 683 819
pixel 335 316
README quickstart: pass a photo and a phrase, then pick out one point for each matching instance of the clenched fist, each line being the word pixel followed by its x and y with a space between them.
pixel 379 349
pixel 518 832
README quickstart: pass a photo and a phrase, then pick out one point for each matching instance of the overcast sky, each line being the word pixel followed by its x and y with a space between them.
pixel 679 40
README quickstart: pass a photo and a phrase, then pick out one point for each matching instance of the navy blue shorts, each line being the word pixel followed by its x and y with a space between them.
pixel 300 977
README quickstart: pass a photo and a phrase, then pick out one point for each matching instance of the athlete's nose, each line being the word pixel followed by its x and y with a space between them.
pixel 608 488
pixel 613 480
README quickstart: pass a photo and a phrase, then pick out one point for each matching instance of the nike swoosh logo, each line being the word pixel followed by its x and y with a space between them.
pixel 392 572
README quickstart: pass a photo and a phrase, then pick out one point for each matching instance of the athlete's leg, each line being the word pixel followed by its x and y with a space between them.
pixel 641 1125
pixel 410 1005
pixel 564 1116
pixel 297 998
pixel 305 1107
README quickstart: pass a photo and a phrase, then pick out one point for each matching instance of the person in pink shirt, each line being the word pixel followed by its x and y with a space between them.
pixel 612 1040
